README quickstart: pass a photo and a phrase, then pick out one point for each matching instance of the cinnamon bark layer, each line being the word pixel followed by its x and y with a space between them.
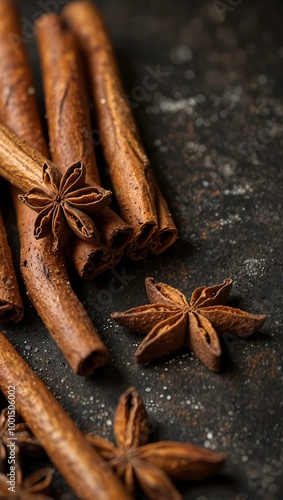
pixel 20 163
pixel 84 470
pixel 11 307
pixel 44 274
pixel 141 206
pixel 70 136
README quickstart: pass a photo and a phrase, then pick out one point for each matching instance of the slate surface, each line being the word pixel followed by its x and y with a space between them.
pixel 212 126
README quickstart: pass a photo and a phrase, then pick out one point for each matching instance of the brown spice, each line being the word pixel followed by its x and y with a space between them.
pixel 45 274
pixel 129 166
pixel 170 322
pixel 36 486
pixel 64 204
pixel 71 140
pixel 11 307
pixel 152 465
pixel 84 470
pixel 24 440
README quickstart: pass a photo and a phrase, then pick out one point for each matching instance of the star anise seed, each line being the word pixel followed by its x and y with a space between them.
pixel 170 322
pixel 152 466
pixel 65 204
pixel 26 442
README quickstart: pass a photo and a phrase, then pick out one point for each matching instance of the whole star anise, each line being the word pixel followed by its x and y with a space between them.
pixel 170 322
pixel 26 443
pixel 64 204
pixel 152 465
pixel 34 487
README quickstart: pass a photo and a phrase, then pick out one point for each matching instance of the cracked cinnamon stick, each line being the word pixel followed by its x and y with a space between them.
pixel 69 127
pixel 44 273
pixel 141 205
pixel 81 466
pixel 11 307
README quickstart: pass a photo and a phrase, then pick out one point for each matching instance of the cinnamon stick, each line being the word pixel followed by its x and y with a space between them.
pixel 44 273
pixel 141 205
pixel 11 307
pixel 69 127
pixel 82 467
pixel 166 233
pixel 20 163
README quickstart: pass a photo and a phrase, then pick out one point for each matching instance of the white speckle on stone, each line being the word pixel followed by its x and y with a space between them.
pixel 239 190
pixel 262 79
pixel 181 54
pixel 190 74
pixel 223 113
pixel 173 106
pixel 199 122
pixel 147 389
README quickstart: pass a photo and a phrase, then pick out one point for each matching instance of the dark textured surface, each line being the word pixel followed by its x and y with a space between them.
pixel 212 126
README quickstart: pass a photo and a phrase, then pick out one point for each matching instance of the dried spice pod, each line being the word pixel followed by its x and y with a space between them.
pixel 26 442
pixel 11 307
pixel 63 201
pixel 171 322
pixel 36 486
pixel 45 274
pixel 70 136
pixel 84 470
pixel 152 465
pixel 130 171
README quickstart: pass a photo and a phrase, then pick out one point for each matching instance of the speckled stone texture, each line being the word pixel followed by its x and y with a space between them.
pixel 211 117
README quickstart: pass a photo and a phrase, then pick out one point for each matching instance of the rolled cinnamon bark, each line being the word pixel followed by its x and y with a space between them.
pixel 84 470
pixel 70 136
pixel 166 233
pixel 44 274
pixel 130 171
pixel 11 307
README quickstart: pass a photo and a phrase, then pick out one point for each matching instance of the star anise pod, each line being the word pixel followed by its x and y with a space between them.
pixel 170 322
pixel 64 204
pixel 25 441
pixel 152 465
pixel 34 487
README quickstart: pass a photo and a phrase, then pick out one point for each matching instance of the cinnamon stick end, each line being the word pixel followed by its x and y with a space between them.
pixel 95 359
pixel 165 238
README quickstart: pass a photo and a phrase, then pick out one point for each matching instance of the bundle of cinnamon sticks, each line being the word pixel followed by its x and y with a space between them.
pixel 140 200
pixel 147 224
pixel 63 194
